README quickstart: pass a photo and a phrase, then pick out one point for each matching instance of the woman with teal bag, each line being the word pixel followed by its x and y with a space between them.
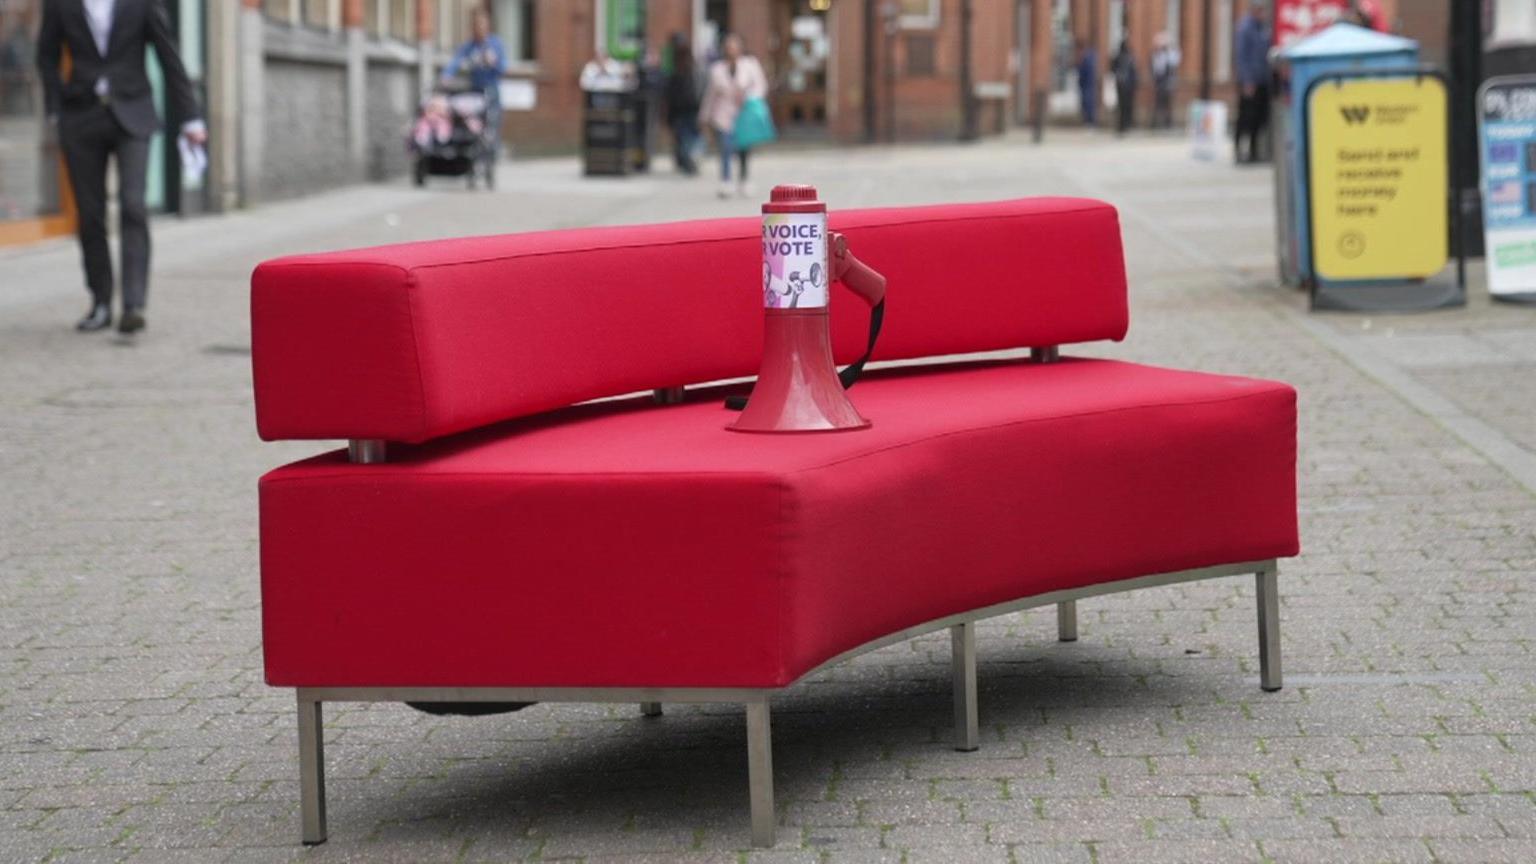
pixel 735 106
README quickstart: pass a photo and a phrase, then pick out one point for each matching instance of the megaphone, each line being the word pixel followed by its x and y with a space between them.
pixel 798 386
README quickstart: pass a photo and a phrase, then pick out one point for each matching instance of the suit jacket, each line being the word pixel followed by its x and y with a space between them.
pixel 136 24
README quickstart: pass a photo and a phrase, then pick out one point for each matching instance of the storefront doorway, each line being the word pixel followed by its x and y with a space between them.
pixel 34 198
pixel 1064 98
pixel 797 68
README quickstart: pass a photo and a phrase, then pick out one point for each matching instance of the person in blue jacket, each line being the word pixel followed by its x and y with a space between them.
pixel 1088 82
pixel 483 60
pixel 1252 62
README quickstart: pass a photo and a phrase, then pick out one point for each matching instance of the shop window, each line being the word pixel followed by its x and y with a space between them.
pixel 918 14
pixel 376 17
pixel 1221 64
pixel 920 56
pixel 516 25
pixel 322 14
pixel 286 11
pixel 621 28
pixel 402 20
pixel 452 23
pixel 1063 48
pixel 717 23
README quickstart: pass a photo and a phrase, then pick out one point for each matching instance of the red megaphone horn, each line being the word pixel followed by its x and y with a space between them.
pixel 798 387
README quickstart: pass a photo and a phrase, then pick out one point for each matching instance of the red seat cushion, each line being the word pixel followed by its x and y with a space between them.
pixel 624 544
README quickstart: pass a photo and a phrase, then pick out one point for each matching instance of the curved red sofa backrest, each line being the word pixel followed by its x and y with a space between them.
pixel 416 341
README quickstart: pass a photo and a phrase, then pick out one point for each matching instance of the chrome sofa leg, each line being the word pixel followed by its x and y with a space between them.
pixel 1268 593
pixel 760 773
pixel 311 771
pixel 963 659
pixel 1066 621
pixel 650 709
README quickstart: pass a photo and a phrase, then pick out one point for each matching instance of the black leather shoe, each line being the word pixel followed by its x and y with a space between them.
pixel 132 321
pixel 99 318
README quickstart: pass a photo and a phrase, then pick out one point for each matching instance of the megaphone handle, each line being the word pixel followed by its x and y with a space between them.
pixel 868 284
pixel 850 374
pixel 853 273
pixel 863 281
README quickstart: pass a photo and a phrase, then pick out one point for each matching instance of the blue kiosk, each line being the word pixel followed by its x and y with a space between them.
pixel 1340 48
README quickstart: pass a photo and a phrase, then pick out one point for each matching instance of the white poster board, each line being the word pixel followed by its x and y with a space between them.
pixel 1506 129
pixel 518 94
pixel 1208 129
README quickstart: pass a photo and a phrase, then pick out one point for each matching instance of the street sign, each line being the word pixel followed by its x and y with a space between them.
pixel 1378 177
pixel 1506 122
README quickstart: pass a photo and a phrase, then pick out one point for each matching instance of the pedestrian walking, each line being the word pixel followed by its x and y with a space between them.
pixel 734 80
pixel 1252 81
pixel 681 93
pixel 1126 80
pixel 105 111
pixel 1165 76
pixel 1088 82
pixel 483 60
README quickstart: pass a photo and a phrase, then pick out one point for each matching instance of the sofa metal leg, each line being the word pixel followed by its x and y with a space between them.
pixel 1268 593
pixel 760 773
pixel 311 771
pixel 963 659
pixel 650 709
pixel 1066 621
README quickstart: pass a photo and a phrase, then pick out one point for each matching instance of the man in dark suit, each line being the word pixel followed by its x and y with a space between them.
pixel 105 109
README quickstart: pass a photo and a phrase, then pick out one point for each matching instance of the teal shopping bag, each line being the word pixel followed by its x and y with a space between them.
pixel 754 125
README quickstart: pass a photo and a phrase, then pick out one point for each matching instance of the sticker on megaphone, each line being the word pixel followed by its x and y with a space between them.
pixel 795 260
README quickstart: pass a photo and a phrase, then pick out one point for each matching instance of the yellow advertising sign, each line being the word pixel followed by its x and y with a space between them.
pixel 1379 178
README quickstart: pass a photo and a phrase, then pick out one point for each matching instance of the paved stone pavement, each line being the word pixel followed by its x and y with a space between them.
pixel 135 726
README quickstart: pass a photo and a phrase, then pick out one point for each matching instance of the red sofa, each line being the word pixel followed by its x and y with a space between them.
pixel 485 538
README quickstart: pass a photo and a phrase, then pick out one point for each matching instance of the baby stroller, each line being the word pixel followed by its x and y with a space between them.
pixel 454 136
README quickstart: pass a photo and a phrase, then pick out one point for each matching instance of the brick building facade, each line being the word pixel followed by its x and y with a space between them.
pixel 842 71
pixel 303 95
pixel 814 55
pixel 310 94
pixel 890 69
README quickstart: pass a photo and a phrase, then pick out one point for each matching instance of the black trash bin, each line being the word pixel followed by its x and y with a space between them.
pixel 608 130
